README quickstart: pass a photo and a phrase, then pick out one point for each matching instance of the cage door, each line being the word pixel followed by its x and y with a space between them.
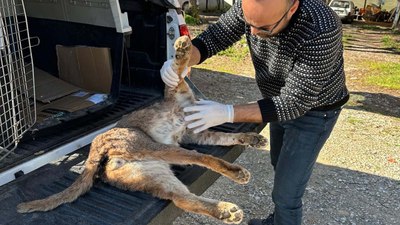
pixel 17 95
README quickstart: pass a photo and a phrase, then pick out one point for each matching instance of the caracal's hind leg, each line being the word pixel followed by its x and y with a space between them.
pixel 155 177
pixel 181 156
pixel 135 145
pixel 224 211
pixel 208 137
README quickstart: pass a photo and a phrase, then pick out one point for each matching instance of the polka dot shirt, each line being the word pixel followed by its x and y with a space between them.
pixel 298 70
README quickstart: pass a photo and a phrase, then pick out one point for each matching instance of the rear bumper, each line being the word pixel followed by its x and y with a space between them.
pixel 345 17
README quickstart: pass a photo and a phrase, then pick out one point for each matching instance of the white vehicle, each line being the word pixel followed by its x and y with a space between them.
pixel 69 71
pixel 344 9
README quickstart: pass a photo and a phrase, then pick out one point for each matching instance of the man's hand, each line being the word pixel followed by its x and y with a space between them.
pixel 208 114
pixel 169 76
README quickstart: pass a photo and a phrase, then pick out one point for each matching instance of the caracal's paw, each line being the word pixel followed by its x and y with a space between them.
pixel 230 213
pixel 242 176
pixel 182 47
pixel 253 139
pixel 237 173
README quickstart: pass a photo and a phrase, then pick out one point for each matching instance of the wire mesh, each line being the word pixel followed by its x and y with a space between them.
pixel 17 95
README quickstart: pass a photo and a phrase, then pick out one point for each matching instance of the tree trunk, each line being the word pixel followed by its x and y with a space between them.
pixel 396 21
pixel 194 9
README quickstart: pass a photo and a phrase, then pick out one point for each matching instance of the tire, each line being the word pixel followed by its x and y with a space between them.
pixel 350 20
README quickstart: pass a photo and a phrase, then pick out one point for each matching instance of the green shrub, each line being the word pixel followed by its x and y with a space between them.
pixel 390 42
pixel 237 51
pixel 190 20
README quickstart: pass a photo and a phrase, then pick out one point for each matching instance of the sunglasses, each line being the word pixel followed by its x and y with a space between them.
pixel 266 31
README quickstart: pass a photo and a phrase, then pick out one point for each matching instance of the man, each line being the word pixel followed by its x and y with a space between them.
pixel 297 54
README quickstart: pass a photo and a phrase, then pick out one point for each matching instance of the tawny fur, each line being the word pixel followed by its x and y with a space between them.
pixel 140 149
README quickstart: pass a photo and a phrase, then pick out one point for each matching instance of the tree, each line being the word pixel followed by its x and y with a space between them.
pixel 396 21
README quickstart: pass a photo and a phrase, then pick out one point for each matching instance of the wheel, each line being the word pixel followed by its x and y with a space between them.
pixel 350 20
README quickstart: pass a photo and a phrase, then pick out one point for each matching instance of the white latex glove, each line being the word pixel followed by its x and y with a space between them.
pixel 169 76
pixel 208 114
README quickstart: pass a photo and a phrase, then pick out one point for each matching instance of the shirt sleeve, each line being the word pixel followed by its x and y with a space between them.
pixel 316 62
pixel 225 32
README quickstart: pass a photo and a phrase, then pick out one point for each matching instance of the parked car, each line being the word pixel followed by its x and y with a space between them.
pixel 69 71
pixel 206 5
pixel 344 9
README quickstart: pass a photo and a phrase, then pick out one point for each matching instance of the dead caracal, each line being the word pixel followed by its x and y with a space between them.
pixel 137 153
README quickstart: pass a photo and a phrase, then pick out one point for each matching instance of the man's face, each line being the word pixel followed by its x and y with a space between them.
pixel 267 18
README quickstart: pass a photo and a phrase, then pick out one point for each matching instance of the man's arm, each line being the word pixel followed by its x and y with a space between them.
pixel 311 72
pixel 207 114
pixel 194 57
pixel 250 113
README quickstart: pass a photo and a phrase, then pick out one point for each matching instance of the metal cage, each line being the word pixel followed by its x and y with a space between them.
pixel 17 95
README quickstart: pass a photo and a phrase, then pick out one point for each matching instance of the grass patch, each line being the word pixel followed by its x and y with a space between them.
pixel 190 20
pixel 238 51
pixel 373 27
pixel 355 100
pixel 234 60
pixel 346 39
pixel 392 131
pixel 391 42
pixel 355 121
pixel 379 28
pixel 384 74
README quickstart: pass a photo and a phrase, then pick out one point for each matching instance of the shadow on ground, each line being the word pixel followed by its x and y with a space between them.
pixel 369 49
pixel 225 87
pixel 340 195
pixel 380 103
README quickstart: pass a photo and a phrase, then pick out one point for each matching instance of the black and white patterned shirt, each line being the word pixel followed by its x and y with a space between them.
pixel 298 70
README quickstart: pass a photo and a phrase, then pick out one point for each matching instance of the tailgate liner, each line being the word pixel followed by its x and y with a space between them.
pixel 51 138
pixel 105 204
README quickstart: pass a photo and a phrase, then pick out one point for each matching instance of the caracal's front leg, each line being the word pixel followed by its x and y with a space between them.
pixel 208 137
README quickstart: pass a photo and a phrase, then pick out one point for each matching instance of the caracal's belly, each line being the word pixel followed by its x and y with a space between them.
pixel 169 130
